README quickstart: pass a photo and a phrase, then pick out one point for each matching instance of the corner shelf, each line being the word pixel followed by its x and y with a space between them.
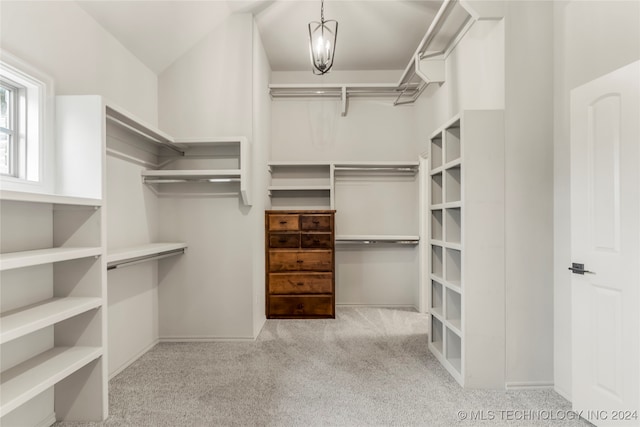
pixel 206 150
pixel 23 321
pixel 30 378
pixel 135 254
pixel 11 260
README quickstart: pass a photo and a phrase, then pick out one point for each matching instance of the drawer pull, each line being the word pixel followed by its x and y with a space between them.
pixel 316 221
pixel 283 222
pixel 282 240
pixel 300 261
pixel 300 306
pixel 300 283
pixel 316 241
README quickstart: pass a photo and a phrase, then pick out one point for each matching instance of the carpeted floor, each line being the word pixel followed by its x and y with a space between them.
pixel 369 366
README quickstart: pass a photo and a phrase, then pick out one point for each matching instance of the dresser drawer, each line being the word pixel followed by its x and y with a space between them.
pixel 304 283
pixel 298 306
pixel 283 260
pixel 285 222
pixel 316 222
pixel 284 240
pixel 317 240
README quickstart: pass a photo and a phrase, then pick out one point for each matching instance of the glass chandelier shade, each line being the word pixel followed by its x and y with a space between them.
pixel 322 43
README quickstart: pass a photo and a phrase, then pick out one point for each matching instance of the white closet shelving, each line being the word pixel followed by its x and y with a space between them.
pixel 299 185
pixel 466 247
pixel 51 331
pixel 196 164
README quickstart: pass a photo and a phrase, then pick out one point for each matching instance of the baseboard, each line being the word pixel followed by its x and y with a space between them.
pixel 528 385
pixel 562 393
pixel 48 421
pixel 412 307
pixel 206 339
pixel 137 356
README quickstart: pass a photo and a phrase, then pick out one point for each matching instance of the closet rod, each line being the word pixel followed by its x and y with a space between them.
pixel 373 241
pixel 412 169
pixel 180 180
pixel 162 143
pixel 138 260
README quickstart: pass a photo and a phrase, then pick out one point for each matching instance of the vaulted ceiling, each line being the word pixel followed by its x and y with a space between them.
pixel 372 34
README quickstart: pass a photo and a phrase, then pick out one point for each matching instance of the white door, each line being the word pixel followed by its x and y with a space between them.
pixel 605 230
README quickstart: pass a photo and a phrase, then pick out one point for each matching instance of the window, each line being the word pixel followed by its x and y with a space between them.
pixel 9 94
pixel 26 97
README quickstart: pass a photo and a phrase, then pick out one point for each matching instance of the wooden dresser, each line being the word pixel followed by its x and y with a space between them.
pixel 300 264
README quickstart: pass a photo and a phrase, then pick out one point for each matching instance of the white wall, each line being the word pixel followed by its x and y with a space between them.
pixel 66 43
pixel 590 39
pixel 212 291
pixel 260 155
pixel 208 90
pixel 529 192
pixel 314 130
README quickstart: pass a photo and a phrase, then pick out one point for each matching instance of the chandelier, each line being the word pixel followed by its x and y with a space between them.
pixel 322 43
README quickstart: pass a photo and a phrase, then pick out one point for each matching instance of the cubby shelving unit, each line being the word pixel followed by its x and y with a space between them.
pixel 51 332
pixel 466 256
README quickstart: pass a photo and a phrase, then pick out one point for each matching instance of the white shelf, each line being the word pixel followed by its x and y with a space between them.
pixel 13 260
pixel 209 141
pixel 150 133
pixel 192 174
pixel 299 188
pixel 28 319
pixel 55 199
pixel 455 326
pixel 452 164
pixel 285 164
pixel 375 238
pixel 30 378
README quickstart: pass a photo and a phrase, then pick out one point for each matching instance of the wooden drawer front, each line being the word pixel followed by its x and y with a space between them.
pixel 283 222
pixel 317 240
pixel 310 283
pixel 293 306
pixel 284 240
pixel 300 261
pixel 315 222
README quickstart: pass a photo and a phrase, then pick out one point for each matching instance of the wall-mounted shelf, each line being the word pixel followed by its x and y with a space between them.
pixel 53 199
pixel 23 321
pixel 227 158
pixel 377 239
pixel 30 378
pixel 153 135
pixel 136 254
pixel 30 258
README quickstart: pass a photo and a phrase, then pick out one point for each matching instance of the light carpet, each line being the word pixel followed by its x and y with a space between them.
pixel 368 367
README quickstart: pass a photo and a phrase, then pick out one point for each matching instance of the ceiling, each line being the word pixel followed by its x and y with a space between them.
pixel 372 34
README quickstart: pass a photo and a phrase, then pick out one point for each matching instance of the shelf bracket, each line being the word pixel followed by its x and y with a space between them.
pixel 484 10
pixel 344 101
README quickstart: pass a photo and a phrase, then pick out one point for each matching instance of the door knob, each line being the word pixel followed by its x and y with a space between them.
pixel 579 269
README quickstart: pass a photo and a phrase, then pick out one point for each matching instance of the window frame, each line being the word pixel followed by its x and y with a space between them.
pixel 33 167
pixel 13 131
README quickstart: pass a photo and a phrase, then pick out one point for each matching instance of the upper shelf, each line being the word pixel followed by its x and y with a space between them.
pixel 149 132
pixel 374 239
pixel 54 199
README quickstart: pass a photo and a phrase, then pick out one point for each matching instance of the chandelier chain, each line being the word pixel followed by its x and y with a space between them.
pixel 322 11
